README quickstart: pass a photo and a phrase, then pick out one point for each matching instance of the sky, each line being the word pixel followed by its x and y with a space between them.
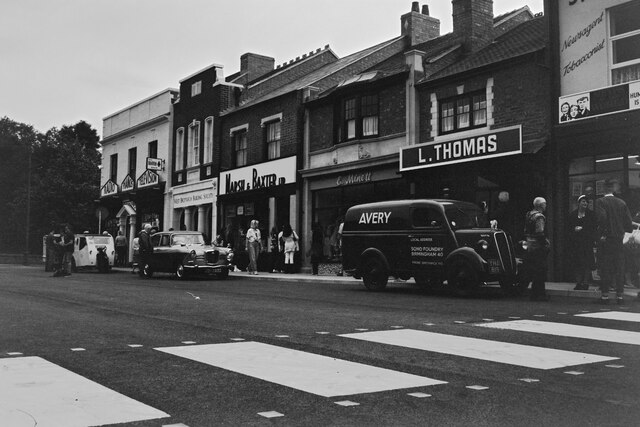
pixel 62 61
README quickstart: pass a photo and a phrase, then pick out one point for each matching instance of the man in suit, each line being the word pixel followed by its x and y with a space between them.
pixel 614 219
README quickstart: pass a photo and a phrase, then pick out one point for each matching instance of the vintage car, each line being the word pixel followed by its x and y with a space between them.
pixel 88 249
pixel 429 240
pixel 186 254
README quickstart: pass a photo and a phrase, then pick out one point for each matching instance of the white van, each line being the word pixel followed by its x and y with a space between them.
pixel 85 249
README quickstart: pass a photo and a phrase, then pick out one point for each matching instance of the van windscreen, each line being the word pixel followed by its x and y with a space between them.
pixel 462 217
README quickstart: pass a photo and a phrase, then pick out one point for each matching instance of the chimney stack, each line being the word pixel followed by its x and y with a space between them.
pixel 419 27
pixel 473 23
pixel 255 66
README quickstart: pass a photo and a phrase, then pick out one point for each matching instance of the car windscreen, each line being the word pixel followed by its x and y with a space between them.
pixel 187 239
pixel 462 217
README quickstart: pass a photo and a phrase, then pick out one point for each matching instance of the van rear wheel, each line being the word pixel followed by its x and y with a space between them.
pixel 374 274
pixel 462 277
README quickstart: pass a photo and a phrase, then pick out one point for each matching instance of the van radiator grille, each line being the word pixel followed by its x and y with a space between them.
pixel 506 253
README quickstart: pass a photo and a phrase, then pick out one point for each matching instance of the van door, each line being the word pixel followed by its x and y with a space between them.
pixel 82 254
pixel 431 240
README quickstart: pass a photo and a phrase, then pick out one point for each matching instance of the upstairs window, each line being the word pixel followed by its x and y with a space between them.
pixel 133 159
pixel 463 112
pixel 240 147
pixel 359 117
pixel 196 88
pixel 273 139
pixel 113 176
pixel 179 158
pixel 624 39
pixel 153 149
pixel 208 140
pixel 193 158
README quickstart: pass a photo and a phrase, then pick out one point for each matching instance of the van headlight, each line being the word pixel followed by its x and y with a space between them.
pixel 482 245
pixel 230 256
pixel 192 255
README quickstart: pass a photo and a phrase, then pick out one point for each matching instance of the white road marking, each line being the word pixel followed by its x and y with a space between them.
pixel 135 345
pixel 494 351
pixel 323 333
pixel 488 320
pixel 615 366
pixel 568 330
pixel 78 349
pixel 36 391
pixel 419 395
pixel 347 403
pixel 614 315
pixel 270 414
pixel 237 339
pixel 459 321
pixel 574 373
pixel 320 375
pixel 477 387
pixel 188 342
pixel 530 380
pixel 282 336
pixel 14 353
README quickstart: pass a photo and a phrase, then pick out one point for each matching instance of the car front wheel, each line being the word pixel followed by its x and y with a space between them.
pixel 181 272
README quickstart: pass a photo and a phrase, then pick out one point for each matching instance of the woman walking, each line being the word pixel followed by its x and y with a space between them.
pixel 289 245
pixel 582 232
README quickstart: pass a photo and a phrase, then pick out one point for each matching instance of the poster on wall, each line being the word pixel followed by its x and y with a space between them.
pixel 608 100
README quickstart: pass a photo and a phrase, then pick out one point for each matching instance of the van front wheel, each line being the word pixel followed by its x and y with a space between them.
pixel 462 277
pixel 374 274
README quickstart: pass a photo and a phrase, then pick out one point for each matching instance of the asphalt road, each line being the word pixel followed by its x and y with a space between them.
pixel 94 349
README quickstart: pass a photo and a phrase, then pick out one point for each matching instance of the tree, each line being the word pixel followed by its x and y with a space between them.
pixel 65 179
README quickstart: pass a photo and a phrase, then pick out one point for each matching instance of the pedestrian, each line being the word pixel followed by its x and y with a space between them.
pixel 253 245
pixel 50 251
pixel 582 232
pixel 67 250
pixel 503 215
pixel 614 219
pixel 538 247
pixel 274 248
pixel 482 219
pixel 289 245
pixel 316 252
pixel 121 248
pixel 632 254
pixel 219 241
pixel 135 263
pixel 146 249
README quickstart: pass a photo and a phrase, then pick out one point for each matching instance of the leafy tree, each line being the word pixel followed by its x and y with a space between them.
pixel 65 179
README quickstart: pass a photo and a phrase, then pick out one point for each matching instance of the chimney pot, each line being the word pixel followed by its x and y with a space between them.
pixel 425 9
pixel 415 6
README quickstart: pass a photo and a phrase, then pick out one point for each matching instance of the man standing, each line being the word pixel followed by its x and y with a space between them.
pixel 121 249
pixel 614 219
pixel 537 248
pixel 67 250
pixel 146 249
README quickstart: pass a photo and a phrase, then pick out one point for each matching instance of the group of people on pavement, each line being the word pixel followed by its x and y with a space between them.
pixel 604 228
pixel 60 244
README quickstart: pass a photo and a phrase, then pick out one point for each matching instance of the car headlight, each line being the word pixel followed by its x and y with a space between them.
pixel 482 244
pixel 192 255
pixel 524 244
pixel 230 256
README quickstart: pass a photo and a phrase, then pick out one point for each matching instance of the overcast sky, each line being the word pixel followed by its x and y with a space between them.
pixel 62 61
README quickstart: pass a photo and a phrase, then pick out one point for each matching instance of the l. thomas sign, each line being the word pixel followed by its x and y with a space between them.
pixel 497 143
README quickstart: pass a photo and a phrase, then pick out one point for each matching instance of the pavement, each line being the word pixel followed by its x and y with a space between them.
pixel 564 289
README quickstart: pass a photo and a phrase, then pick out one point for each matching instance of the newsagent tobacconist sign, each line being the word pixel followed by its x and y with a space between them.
pixel 498 143
pixel 260 176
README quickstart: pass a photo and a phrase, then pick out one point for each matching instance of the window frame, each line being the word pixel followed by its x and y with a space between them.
pixel 196 88
pixel 133 160
pixel 273 139
pixel 611 41
pixel 240 155
pixel 354 111
pixel 193 144
pixel 113 168
pixel 452 107
pixel 152 149
pixel 179 150
pixel 207 156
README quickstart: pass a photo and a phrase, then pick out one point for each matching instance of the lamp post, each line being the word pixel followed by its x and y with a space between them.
pixel 28 213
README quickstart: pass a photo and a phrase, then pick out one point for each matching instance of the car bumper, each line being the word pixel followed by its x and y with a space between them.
pixel 206 269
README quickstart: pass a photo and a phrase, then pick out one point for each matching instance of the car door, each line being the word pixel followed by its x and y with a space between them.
pixel 158 253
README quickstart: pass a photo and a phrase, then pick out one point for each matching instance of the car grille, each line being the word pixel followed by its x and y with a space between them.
pixel 505 250
pixel 212 257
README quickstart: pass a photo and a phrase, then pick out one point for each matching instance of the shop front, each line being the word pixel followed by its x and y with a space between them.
pixel 194 207
pixel 265 192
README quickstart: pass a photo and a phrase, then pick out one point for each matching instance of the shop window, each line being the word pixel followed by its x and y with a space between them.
pixel 240 147
pixel 273 139
pixel 193 158
pixel 208 140
pixel 624 41
pixel 113 176
pixel 179 156
pixel 133 158
pixel 463 112
pixel 360 117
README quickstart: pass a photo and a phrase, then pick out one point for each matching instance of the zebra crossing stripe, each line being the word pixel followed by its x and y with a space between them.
pixel 312 373
pixel 493 351
pixel 568 330
pixel 36 391
pixel 614 315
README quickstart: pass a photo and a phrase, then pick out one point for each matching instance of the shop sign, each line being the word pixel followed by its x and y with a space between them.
pixel 501 142
pixel 127 184
pixel 109 188
pixel 584 61
pixel 609 100
pixel 155 164
pixel 193 198
pixel 353 178
pixel 262 176
pixel 148 178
